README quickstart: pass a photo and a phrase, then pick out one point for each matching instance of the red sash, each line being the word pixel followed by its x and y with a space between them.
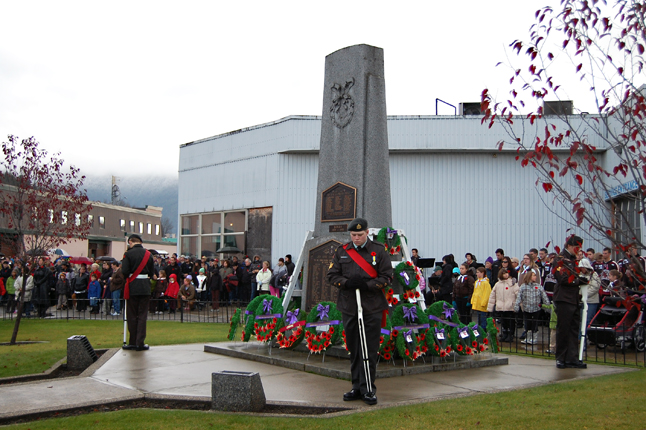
pixel 369 269
pixel 126 290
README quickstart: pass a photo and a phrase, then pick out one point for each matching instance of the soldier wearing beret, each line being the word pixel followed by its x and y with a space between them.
pixel 348 276
pixel 139 289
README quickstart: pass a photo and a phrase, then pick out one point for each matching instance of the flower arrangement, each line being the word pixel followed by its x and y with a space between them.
pixel 249 314
pixel 324 314
pixel 390 296
pixel 291 331
pixel 440 338
pixel 266 316
pixel 409 330
pixel 233 325
pixel 480 342
pixel 492 335
pixel 408 276
pixel 391 240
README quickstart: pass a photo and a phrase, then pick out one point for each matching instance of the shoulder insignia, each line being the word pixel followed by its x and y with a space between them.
pixel 331 264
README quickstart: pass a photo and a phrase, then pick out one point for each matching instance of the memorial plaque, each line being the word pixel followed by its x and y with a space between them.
pixel 338 228
pixel 318 289
pixel 339 203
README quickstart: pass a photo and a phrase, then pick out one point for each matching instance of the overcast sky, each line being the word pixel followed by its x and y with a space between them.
pixel 118 86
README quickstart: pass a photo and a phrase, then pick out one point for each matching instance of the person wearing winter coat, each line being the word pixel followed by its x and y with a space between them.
pixel 28 288
pixel 279 278
pixel 157 304
pixel 11 292
pixel 62 289
pixel 94 293
pixel 104 281
pixel 171 293
pixel 263 277
pixel 502 299
pixel 40 294
pixel 186 295
pixel 462 292
pixel 480 298
pixel 446 280
pixel 531 296
pixel 214 284
pixel 82 281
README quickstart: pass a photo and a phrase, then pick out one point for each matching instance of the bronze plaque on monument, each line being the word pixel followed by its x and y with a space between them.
pixel 318 289
pixel 339 203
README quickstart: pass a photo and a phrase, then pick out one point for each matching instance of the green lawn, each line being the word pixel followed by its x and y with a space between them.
pixel 608 402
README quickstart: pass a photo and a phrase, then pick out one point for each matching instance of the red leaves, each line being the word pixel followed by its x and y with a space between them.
pixel 557 249
pixel 579 179
pixel 547 187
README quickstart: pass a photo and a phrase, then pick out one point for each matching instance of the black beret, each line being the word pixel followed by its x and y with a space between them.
pixel 135 237
pixel 358 224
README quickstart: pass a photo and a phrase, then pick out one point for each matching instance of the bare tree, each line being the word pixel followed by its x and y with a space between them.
pixel 42 203
pixel 167 226
pixel 583 160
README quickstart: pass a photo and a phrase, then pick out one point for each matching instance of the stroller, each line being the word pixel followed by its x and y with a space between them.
pixel 619 322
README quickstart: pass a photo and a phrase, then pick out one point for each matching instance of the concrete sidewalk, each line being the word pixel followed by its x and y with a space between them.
pixel 184 371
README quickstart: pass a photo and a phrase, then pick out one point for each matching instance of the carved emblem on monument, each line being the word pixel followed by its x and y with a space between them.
pixel 342 107
pixel 338 203
pixel 320 260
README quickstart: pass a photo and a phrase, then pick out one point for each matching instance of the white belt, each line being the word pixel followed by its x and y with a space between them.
pixel 142 277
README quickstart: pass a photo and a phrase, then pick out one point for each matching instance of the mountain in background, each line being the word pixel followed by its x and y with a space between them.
pixel 138 191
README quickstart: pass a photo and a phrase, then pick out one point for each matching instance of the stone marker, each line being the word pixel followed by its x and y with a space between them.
pixel 354 169
pixel 237 392
pixel 80 353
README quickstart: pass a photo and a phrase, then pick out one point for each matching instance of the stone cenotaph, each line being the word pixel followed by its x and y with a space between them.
pixel 354 172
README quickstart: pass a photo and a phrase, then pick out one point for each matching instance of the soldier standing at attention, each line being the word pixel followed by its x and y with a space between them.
pixel 138 268
pixel 361 265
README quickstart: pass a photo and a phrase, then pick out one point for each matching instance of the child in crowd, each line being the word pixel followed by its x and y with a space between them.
pixel 160 289
pixel 94 293
pixel 62 289
pixel 616 287
pixel 480 298
pixel 531 296
pixel 171 293
pixel 187 294
pixel 462 292
pixel 502 299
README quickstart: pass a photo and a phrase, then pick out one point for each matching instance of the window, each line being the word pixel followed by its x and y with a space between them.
pixel 90 220
pixel 189 224
pixel 77 219
pixel 157 229
pixel 149 228
pixel 51 215
pixel 64 217
pixel 203 234
pixel 132 226
pixel 101 222
pixel 141 228
pixel 122 224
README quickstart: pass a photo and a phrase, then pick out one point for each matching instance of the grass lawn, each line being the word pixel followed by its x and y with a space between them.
pixel 608 402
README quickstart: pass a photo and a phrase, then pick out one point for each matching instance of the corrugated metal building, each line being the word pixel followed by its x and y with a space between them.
pixel 452 190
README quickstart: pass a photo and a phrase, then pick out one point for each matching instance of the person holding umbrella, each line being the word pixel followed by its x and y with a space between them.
pixel 361 269
pixel 138 268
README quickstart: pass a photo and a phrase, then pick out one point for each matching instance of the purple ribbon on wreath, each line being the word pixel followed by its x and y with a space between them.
pixel 644 299
pixel 439 331
pixel 475 327
pixel 292 317
pixel 323 311
pixel 391 231
pixel 266 306
pixel 406 278
pixel 407 334
pixel 447 311
pixel 463 330
pixel 410 313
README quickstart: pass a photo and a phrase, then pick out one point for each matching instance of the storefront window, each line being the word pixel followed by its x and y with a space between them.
pixel 234 222
pixel 189 246
pixel 189 224
pixel 210 244
pixel 212 223
pixel 204 234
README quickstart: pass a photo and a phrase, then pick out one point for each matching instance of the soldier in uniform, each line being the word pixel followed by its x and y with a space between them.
pixel 137 304
pixel 348 276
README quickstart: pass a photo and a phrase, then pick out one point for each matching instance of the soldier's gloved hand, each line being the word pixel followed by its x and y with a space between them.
pixel 583 280
pixel 355 282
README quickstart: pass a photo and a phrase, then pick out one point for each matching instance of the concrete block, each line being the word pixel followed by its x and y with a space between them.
pixel 237 392
pixel 80 353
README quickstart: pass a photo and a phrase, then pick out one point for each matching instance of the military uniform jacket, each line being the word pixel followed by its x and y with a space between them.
pixel 131 260
pixel 343 267
pixel 567 278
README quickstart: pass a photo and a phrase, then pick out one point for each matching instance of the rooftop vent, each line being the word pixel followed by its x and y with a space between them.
pixel 559 107
pixel 469 109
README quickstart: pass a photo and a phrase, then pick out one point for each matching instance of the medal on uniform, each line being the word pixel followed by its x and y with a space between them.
pixel 374 259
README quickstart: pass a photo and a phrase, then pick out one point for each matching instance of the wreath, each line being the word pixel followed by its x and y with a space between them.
pixel 409 330
pixel 266 317
pixel 290 329
pixel 390 296
pixel 249 314
pixel 408 276
pixel 440 337
pixel 233 326
pixel 324 315
pixel 386 344
pixel 480 342
pixel 391 240
pixel 492 334
pixel 462 339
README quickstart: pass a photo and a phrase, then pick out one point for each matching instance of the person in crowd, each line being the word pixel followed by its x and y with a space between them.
pixel 434 286
pixel 96 270
pixel 566 298
pixel 81 283
pixel 244 276
pixel 94 293
pixel 104 281
pixel 414 256
pixel 229 281
pixel 40 294
pixel 480 298
pixel 24 285
pixel 497 265
pixel 527 266
pixel 462 292
pixel 171 293
pixel 117 283
pixel 502 299
pixel 158 294
pixel 214 285
pixel 62 290
pixel 172 268
pixel 531 296
pixel 256 266
pixel 489 270
pixel 507 265
pixel 472 262
pixel 446 280
pixel 186 296
pixel 589 253
pixel 262 279
pixel 11 292
pixel 550 281
pixel 201 292
pixel 279 278
pixel 594 283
